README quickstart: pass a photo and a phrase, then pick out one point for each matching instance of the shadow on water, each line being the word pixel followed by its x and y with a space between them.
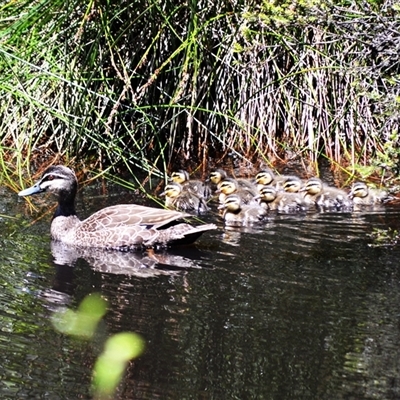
pixel 298 307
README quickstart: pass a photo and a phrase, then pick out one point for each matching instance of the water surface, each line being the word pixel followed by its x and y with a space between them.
pixel 299 307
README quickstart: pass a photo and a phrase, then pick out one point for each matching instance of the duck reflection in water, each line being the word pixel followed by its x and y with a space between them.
pixel 146 264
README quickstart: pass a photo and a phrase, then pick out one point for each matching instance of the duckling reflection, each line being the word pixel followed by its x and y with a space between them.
pixel 144 265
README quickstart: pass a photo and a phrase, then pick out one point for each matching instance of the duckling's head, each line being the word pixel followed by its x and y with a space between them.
pixel 265 177
pixel 227 186
pixel 217 176
pixel 55 179
pixel 292 184
pixel 358 189
pixel 172 190
pixel 267 194
pixel 180 176
pixel 313 186
pixel 232 203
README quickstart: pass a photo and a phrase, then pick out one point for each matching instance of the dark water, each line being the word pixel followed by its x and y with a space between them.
pixel 301 307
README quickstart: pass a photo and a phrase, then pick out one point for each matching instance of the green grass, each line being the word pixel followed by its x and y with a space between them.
pixel 152 86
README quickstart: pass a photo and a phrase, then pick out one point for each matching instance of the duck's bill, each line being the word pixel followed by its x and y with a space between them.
pixel 32 190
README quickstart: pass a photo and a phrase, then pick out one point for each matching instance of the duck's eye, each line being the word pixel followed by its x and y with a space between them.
pixel 50 177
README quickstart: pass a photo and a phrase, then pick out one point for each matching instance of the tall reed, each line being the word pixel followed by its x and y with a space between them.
pixel 151 84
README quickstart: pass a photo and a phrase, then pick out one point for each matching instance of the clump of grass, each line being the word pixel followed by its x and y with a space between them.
pixel 144 86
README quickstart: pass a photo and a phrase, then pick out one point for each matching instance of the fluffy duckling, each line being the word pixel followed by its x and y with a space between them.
pixel 193 185
pixel 236 213
pixel 229 186
pixel 219 175
pixel 326 196
pixel 292 184
pixel 176 197
pixel 361 194
pixel 274 199
pixel 267 177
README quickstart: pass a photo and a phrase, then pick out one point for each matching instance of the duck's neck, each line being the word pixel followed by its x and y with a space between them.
pixel 66 205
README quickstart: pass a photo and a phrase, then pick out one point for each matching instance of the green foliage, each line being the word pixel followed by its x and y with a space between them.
pixel 384 237
pixel 284 12
pixel 111 364
pixel 149 84
pixel 119 348
pixel 84 321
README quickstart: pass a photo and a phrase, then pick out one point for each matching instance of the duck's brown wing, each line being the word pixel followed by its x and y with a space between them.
pixel 136 237
pixel 123 215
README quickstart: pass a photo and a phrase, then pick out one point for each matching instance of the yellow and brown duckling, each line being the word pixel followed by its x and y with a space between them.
pixel 123 227
pixel 291 184
pixel 219 175
pixel 275 199
pixel 231 186
pixel 317 192
pixel 178 198
pixel 235 212
pixel 193 185
pixel 362 195
pixel 267 177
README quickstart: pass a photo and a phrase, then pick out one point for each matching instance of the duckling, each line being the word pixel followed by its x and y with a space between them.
pixel 193 185
pixel 184 200
pixel 267 177
pixel 274 199
pixel 236 213
pixel 229 186
pixel 326 196
pixel 219 175
pixel 291 184
pixel 361 194
pixel 123 227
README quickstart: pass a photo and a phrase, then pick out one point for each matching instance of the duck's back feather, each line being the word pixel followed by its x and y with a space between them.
pixel 130 214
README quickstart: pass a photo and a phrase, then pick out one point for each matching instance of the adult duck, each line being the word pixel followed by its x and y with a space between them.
pixel 124 227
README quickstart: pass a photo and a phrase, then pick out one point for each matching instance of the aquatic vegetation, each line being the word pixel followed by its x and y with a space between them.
pixel 384 237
